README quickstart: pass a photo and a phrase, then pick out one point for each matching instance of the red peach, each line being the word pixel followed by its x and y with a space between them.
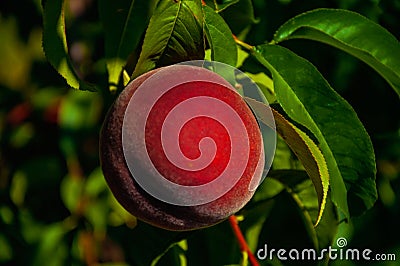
pixel 158 212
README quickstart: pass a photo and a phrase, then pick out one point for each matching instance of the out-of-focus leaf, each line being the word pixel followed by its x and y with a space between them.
pixel 36 181
pixel 174 34
pixel 52 249
pixel 307 98
pixel 79 110
pixel 95 183
pixel 124 23
pixel 305 149
pixel 55 44
pixel 219 6
pixel 71 192
pixel 13 53
pixel 351 33
pixel 6 252
pixel 219 36
pixel 97 213
pixel 239 16
pixel 22 135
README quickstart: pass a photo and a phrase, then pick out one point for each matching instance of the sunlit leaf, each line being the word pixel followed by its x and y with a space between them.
pixel 55 44
pixel 124 23
pixel 174 34
pixel 305 149
pixel 308 99
pixel 219 36
pixel 351 33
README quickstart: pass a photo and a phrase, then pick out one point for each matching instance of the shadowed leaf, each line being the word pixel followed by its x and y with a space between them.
pixel 124 23
pixel 55 44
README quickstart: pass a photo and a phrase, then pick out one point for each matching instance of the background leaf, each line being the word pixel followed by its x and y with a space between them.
pixel 49 133
pixel 304 148
pixel 145 242
pixel 308 99
pixel 239 16
pixel 219 36
pixel 219 6
pixel 124 23
pixel 298 185
pixel 351 33
pixel 173 35
pixel 55 44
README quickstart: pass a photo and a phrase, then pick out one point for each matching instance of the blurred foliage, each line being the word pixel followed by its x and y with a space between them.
pixel 55 207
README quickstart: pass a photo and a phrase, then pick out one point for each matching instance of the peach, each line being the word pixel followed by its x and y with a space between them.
pixel 180 149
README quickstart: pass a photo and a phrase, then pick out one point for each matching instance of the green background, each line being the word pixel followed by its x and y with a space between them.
pixel 55 208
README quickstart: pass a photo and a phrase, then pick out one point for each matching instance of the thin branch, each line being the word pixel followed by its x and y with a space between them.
pixel 241 240
pixel 243 44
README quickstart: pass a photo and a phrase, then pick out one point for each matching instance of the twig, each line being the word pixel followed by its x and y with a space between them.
pixel 243 44
pixel 242 241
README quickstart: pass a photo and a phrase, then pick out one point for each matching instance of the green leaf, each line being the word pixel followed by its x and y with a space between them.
pixel 219 36
pixel 55 44
pixel 305 149
pixel 124 22
pixel 219 6
pixel 175 255
pixel 150 242
pixel 287 226
pixel 239 16
pixel 71 192
pixel 205 246
pixel 351 33
pixel 308 99
pixel 174 34
pixel 52 246
pixel 303 192
pixel 79 110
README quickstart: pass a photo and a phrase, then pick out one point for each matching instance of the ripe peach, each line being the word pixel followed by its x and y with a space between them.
pixel 210 138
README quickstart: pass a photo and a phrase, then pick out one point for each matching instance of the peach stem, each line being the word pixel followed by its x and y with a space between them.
pixel 243 44
pixel 241 240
